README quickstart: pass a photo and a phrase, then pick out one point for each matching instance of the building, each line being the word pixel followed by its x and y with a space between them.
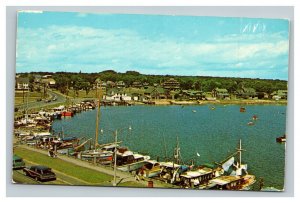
pixel 220 93
pixel 116 95
pixel 246 93
pixel 191 94
pixel 155 92
pixel 171 84
pixel 22 83
pixel 99 83
pixel 120 84
pixel 49 82
pixel 47 76
pixel 279 94
pixel 136 84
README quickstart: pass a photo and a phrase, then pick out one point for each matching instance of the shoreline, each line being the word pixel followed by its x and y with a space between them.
pixel 216 102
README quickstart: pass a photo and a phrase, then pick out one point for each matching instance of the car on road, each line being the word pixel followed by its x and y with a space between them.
pixel 40 173
pixel 18 163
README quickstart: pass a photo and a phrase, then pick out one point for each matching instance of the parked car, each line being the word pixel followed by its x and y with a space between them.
pixel 18 163
pixel 40 173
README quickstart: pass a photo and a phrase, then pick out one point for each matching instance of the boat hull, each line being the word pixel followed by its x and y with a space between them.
pixel 131 167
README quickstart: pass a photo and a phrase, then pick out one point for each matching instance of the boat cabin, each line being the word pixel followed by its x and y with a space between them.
pixel 226 183
pixel 200 176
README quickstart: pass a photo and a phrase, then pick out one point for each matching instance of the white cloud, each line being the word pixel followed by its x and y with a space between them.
pixel 82 47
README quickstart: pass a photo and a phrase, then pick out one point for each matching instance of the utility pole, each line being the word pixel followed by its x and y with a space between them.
pixel 115 158
pixel 98 117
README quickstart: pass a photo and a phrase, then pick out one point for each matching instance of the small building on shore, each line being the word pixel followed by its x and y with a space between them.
pixel 155 92
pixel 279 94
pixel 246 93
pixel 220 93
pixel 191 94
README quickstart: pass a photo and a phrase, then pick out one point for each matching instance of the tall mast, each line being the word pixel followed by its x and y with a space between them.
pixel 240 152
pixel 177 152
pixel 97 117
pixel 26 112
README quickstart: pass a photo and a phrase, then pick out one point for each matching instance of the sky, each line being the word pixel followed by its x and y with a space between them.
pixel 153 44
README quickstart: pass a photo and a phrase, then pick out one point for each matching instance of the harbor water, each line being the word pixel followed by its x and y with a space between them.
pixel 204 135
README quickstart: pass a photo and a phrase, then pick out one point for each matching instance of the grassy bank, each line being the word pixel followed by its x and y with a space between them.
pixel 85 174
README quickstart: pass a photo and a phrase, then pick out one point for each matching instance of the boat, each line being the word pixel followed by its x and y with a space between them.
pixel 231 182
pixel 199 176
pixel 281 139
pixel 250 123
pixel 254 117
pixel 212 108
pixel 235 176
pixel 194 111
pixel 150 169
pixel 242 109
pixel 129 161
pixel 67 113
pixel 171 170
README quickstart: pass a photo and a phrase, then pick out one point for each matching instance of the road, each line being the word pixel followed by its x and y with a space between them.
pixel 121 176
pixel 39 104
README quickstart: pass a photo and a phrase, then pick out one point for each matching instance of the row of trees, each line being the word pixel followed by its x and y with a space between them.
pixel 84 81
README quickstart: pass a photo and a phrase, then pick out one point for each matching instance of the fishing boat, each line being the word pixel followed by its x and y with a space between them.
pixel 242 109
pixel 235 176
pixel 171 170
pixel 281 139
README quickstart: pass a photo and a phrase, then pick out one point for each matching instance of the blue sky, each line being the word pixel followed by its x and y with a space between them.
pixel 153 44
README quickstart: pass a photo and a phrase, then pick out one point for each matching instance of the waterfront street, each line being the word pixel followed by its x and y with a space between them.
pixel 65 178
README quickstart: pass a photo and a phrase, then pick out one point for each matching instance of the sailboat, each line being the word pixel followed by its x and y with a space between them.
pixel 235 176
pixel 102 154
pixel 171 171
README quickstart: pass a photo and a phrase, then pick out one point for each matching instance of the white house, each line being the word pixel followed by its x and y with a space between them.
pixel 118 97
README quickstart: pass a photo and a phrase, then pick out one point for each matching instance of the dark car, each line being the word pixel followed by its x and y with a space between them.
pixel 18 162
pixel 40 173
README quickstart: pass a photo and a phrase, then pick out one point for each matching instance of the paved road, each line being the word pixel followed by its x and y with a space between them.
pixel 121 176
pixel 60 98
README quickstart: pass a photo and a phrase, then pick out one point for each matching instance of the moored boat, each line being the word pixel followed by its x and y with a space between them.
pixel 281 139
pixel 235 176
pixel 242 109
pixel 150 169
pixel 128 161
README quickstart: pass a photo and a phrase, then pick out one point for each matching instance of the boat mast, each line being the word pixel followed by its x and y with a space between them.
pixel 97 117
pixel 177 152
pixel 240 153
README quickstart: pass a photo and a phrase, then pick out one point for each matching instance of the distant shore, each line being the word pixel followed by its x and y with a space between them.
pixel 218 102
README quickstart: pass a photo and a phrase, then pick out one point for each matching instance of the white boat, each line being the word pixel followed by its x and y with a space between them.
pixel 128 161
pixel 199 176
pixel 235 176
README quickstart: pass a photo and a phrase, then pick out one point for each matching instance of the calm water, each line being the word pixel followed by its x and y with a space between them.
pixel 214 134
